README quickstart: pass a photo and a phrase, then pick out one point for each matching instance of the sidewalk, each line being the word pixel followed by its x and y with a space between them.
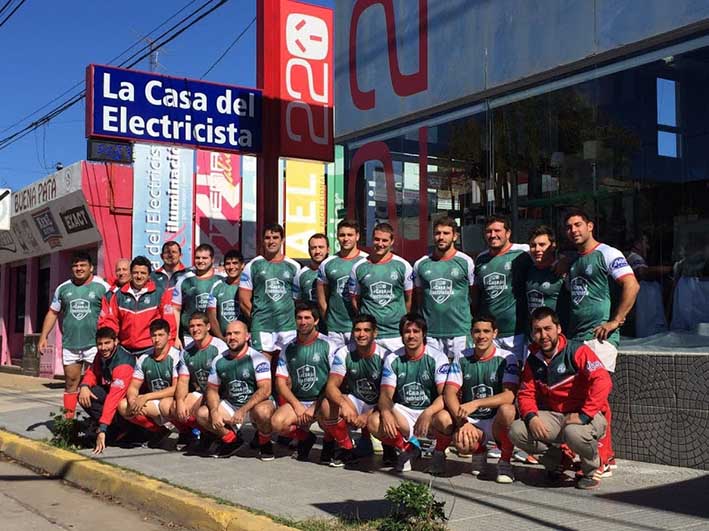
pixel 639 496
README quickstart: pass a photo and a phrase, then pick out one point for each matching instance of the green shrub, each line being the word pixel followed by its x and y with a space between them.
pixel 415 509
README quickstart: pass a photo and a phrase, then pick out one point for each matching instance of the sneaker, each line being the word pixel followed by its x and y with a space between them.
pixel 438 463
pixel 343 458
pixel 364 447
pixel 185 440
pixel 479 464
pixel 403 462
pixel 389 455
pixel 612 464
pixel 523 457
pixel 304 447
pixel 603 471
pixel 265 452
pixel 494 453
pixel 588 483
pixel 377 445
pixel 327 453
pixel 282 440
pixel 158 438
pixel 505 472
pixel 224 450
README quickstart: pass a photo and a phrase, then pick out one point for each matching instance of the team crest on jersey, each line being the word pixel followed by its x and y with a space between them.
pixel 495 284
pixel 579 289
pixel 441 289
pixel 201 376
pixel 307 376
pixel 228 310
pixel 482 391
pixel 79 308
pixel 414 394
pixel 201 301
pixel 366 389
pixel 158 384
pixel 342 285
pixel 275 289
pixel 535 299
pixel 382 293
pixel 239 390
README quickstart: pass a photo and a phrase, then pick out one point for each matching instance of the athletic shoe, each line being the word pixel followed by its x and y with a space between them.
pixel 505 472
pixel 479 462
pixel 265 452
pixel 389 455
pixel 364 447
pixel 282 440
pixel 523 457
pixel 494 452
pixel 438 463
pixel 327 453
pixel 224 450
pixel 403 463
pixel 185 440
pixel 588 483
pixel 304 447
pixel 343 458
pixel 158 438
pixel 612 464
pixel 377 445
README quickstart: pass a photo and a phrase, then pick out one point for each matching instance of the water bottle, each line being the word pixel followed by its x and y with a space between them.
pixel 196 433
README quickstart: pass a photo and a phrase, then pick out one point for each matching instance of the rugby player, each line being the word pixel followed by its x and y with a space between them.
pixel 543 285
pixel 172 268
pixel 318 249
pixel 223 305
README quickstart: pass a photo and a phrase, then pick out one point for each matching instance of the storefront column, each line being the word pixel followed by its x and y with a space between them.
pixel 31 327
pixel 4 313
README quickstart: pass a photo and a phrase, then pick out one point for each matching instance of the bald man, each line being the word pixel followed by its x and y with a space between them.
pixel 122 276
pixel 238 391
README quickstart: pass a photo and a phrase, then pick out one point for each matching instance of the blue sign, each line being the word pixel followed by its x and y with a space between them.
pixel 147 107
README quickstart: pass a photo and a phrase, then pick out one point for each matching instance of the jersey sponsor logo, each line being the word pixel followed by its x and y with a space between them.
pixel 453 368
pixel 425 376
pixel 307 377
pixel 79 308
pixel 201 301
pixel 579 289
pixel 455 272
pixel 619 263
pixel 495 284
pixel 382 293
pixel 591 366
pixel 589 269
pixel 535 299
pixel 92 295
pixel 479 392
pixel 444 369
pixel 239 390
pixel 414 394
pixel 366 390
pixel 386 372
pixel 508 266
pixel 263 367
pixel 281 362
pixel 394 275
pixel 118 383
pixel 228 310
pixel 316 357
pixel 245 373
pixel 275 289
pixel 286 275
pixel 336 361
pixel 561 369
pixel 441 289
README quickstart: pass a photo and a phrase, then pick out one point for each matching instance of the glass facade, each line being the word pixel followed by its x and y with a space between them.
pixel 631 147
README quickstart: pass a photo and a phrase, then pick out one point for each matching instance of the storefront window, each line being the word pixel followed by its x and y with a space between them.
pixel 20 274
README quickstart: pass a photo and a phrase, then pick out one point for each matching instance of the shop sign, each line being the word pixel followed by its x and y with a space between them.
pixel 76 219
pixel 48 228
pixel 39 193
pixel 305 205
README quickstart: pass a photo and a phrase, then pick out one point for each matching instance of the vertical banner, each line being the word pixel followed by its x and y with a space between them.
pixel 218 201
pixel 162 200
pixel 335 196
pixel 304 205
pixel 248 197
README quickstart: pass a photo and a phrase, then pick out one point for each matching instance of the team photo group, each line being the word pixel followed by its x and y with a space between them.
pixel 505 357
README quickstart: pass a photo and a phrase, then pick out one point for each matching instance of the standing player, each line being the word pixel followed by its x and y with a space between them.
pixel 191 294
pixel 479 396
pixel 381 286
pixel 266 291
pixel 318 249
pixel 305 363
pixel 238 391
pixel 412 383
pixel 334 300
pixel 172 269
pixel 353 388
pixel 543 284
pixel 443 282
pixel 78 301
pixel 223 305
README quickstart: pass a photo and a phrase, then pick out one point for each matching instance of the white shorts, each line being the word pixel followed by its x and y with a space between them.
pixel 226 406
pixel 485 426
pixel 390 343
pixel 272 341
pixel 361 407
pixel 450 346
pixel 515 344
pixel 606 352
pixel 411 415
pixel 160 421
pixel 340 339
pixel 71 356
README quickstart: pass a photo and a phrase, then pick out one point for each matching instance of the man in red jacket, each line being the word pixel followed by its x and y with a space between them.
pixel 562 399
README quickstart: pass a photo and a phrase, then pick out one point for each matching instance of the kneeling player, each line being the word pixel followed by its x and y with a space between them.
pixel 152 388
pixel 238 391
pixel 105 383
pixel 304 361
pixel 358 366
pixel 410 396
pixel 479 396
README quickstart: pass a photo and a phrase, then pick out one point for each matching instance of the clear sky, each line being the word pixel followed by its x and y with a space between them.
pixel 46 46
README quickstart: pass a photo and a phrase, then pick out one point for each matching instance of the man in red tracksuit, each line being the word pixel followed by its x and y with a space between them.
pixel 137 304
pixel 562 399
pixel 105 383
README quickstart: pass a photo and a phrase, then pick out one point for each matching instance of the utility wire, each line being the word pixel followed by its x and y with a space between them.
pixel 4 7
pixel 215 63
pixel 11 12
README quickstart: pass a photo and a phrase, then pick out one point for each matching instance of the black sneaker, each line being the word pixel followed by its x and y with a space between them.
pixel 344 458
pixel 389 457
pixel 282 440
pixel 158 438
pixel 328 452
pixel 304 447
pixel 265 452
pixel 203 445
pixel 185 440
pixel 254 444
pixel 225 450
pixel 588 483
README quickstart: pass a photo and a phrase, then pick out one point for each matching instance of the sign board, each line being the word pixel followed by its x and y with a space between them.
pixel 149 107
pixel 109 151
pixel 304 205
pixel 5 208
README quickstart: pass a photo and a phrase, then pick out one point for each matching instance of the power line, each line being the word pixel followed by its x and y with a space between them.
pixel 11 12
pixel 5 6
pixel 215 63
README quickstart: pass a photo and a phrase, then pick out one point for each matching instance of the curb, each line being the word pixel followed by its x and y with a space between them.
pixel 168 502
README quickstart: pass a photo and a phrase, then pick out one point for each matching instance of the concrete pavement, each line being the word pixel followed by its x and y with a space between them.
pixel 639 496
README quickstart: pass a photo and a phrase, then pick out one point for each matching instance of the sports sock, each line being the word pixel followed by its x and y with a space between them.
pixel 144 422
pixel 339 432
pixel 300 434
pixel 327 436
pixel 396 442
pixel 70 401
pixel 506 446
pixel 443 442
pixel 263 438
pixel 229 437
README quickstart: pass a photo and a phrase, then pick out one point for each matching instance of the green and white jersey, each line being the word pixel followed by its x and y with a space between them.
pixel 361 375
pixel 307 365
pixel 592 280
pixel 274 285
pixel 224 298
pixel 198 362
pixel 482 378
pixel 334 273
pixel 306 284
pixel 79 307
pixel 543 288
pixel 157 375
pixel 381 287
pixel 501 280
pixel 237 377
pixel 415 381
pixel 445 284
pixel 191 294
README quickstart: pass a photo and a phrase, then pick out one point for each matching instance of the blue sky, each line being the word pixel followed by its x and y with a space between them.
pixel 46 46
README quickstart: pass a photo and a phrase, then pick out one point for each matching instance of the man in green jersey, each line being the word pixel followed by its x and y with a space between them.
pixel 443 281
pixel 479 396
pixel 172 268
pixel 266 291
pixel 191 294
pixel 318 249
pixel 305 363
pixel 410 393
pixel 353 389
pixel 334 300
pixel 191 387
pixel 238 391
pixel 381 285
pixel 78 302
pixel 499 290
pixel 150 394
pixel 223 305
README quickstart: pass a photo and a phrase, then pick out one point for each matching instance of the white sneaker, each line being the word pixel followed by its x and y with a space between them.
pixel 403 463
pixel 438 463
pixel 505 472
pixel 479 464
pixel 520 455
pixel 377 445
pixel 494 452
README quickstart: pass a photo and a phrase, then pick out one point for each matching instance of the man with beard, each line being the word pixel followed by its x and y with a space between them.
pixel 172 269
pixel 223 305
pixel 318 249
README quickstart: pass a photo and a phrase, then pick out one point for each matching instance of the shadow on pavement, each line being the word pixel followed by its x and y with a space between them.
pixel 356 511
pixel 11 477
